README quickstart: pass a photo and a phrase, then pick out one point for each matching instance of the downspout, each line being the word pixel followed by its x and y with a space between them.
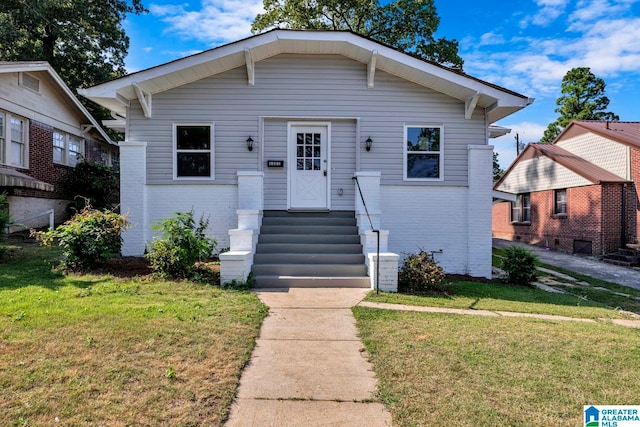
pixel 623 217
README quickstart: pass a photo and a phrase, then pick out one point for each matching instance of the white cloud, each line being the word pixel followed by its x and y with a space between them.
pixel 549 11
pixel 217 21
pixel 491 38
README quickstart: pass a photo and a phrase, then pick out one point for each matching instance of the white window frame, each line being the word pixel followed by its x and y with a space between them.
pixel 3 136
pixel 406 152
pixel 9 141
pixel 556 204
pixel 66 148
pixel 211 150
pixel 519 206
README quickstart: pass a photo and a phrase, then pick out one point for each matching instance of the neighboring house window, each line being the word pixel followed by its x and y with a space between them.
pixel 521 208
pixel 423 152
pixel 17 153
pixel 560 202
pixel 194 150
pixel 67 149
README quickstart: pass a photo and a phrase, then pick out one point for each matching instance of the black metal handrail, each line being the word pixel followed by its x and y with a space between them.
pixel 373 230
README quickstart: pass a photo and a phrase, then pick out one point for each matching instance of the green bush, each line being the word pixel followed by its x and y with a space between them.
pixel 92 183
pixel 421 273
pixel 89 239
pixel 519 264
pixel 182 244
pixel 5 218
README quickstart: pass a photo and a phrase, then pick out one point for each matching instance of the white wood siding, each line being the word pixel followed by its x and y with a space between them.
pixel 600 151
pixel 306 87
pixel 540 174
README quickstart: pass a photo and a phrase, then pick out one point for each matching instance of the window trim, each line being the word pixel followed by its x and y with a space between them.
pixel 66 148
pixel 9 141
pixel 519 205
pixel 406 152
pixel 556 213
pixel 211 150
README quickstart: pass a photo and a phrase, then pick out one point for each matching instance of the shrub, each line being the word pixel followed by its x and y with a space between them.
pixel 519 263
pixel 89 239
pixel 420 273
pixel 5 218
pixel 91 183
pixel 181 245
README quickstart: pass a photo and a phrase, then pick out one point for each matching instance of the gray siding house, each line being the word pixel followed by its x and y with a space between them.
pixel 266 135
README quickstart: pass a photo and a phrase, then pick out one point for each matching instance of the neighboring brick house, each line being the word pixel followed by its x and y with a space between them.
pixel 577 194
pixel 44 131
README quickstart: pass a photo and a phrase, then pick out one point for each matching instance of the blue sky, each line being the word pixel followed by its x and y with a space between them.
pixel 524 45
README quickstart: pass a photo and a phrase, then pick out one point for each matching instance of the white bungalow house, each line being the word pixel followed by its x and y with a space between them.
pixel 266 135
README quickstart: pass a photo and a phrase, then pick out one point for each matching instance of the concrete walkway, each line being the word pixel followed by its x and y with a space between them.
pixel 308 367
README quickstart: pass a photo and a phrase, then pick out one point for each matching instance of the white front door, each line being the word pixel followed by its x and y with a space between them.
pixel 308 167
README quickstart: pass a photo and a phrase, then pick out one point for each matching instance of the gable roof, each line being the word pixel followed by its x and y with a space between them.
pixel 627 133
pixel 35 66
pixel 592 173
pixel 117 94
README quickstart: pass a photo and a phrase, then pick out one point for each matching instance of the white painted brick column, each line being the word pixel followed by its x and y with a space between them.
pixel 236 264
pixel 133 176
pixel 370 186
pixel 479 201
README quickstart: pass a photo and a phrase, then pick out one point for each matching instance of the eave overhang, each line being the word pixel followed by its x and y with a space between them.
pixel 496 101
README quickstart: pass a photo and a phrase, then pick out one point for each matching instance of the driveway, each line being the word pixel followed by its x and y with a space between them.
pixel 587 265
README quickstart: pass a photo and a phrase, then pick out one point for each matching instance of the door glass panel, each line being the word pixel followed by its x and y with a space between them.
pixel 308 151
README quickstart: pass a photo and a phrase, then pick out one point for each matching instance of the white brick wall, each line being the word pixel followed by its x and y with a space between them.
pixel 217 202
pixel 133 195
pixel 456 220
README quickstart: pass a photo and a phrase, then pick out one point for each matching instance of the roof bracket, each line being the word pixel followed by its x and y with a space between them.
pixel 251 74
pixel 470 105
pixel 371 69
pixel 145 100
pixel 85 128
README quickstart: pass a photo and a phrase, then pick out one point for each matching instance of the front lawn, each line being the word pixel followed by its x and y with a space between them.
pixel 503 297
pixel 99 350
pixel 447 369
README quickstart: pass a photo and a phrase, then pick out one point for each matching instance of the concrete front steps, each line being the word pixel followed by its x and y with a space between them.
pixel 309 250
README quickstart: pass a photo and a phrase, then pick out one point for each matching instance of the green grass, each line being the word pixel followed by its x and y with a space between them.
pixel 95 350
pixel 503 297
pixel 442 370
pixel 605 297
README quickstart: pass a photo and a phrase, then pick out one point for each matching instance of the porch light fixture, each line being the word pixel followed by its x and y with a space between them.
pixel 250 144
pixel 368 143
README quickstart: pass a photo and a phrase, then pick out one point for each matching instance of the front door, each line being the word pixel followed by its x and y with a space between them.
pixel 308 167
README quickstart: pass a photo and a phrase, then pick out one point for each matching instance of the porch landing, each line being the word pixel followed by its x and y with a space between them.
pixel 309 250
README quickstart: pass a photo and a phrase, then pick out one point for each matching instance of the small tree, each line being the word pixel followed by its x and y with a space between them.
pixel 519 263
pixel 89 239
pixel 183 242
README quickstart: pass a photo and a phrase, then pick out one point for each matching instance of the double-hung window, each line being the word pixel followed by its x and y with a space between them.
pixel 560 202
pixel 193 144
pixel 521 208
pixel 18 150
pixel 67 149
pixel 423 152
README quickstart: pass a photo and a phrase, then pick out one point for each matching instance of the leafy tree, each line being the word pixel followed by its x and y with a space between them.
pixel 582 99
pixel 83 40
pixel 497 170
pixel 407 25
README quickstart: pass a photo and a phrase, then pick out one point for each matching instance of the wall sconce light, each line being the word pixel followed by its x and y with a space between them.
pixel 367 144
pixel 250 144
